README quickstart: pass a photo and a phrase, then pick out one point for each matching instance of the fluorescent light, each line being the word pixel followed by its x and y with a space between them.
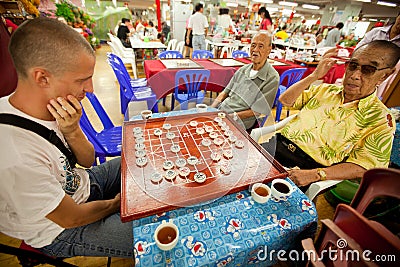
pixel 386 4
pixel 373 20
pixel 264 1
pixel 310 6
pixel 272 9
pixel 232 4
pixel 365 1
pixel 284 3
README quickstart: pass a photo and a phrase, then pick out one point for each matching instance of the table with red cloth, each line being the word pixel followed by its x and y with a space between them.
pixel 162 80
pixel 337 71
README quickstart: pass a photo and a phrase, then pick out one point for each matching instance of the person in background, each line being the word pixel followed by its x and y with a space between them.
pixel 266 20
pixel 282 34
pixel 188 48
pixel 253 87
pixel 165 29
pixel 198 26
pixel 349 41
pixel 139 26
pixel 58 208
pixel 333 37
pixel 363 127
pixel 320 41
pixel 151 31
pixel 124 32
pixel 390 33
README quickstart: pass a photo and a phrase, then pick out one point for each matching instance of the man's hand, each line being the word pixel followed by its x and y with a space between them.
pixel 67 112
pixel 303 177
pixel 326 63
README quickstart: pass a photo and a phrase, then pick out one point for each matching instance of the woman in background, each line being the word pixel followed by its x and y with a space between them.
pixel 266 22
pixel 190 45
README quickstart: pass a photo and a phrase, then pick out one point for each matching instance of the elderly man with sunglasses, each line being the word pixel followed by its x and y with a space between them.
pixel 340 131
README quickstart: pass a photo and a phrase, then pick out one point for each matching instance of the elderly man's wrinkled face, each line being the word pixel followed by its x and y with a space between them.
pixel 260 48
pixel 366 69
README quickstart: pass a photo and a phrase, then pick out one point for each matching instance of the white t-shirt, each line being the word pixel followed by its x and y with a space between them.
pixel 34 179
pixel 198 22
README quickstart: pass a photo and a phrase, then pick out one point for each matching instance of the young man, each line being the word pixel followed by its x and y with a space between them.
pixel 252 89
pixel 333 37
pixel 340 131
pixel 54 207
pixel 198 26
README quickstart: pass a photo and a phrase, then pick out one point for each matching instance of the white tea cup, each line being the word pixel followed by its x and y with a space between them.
pixel 260 192
pixel 146 114
pixel 166 235
pixel 281 188
pixel 201 108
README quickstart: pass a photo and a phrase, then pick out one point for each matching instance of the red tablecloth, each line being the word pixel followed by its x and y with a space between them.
pixel 162 80
pixel 336 72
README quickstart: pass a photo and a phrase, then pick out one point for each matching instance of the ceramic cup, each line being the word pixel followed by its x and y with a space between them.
pixel 166 235
pixel 281 188
pixel 146 114
pixel 201 108
pixel 260 192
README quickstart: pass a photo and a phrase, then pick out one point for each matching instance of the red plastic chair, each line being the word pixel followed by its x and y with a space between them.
pixel 368 234
pixel 330 239
pixel 376 183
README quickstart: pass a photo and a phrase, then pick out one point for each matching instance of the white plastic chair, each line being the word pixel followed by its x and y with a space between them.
pixel 246 48
pixel 315 188
pixel 172 44
pixel 117 41
pixel 228 50
pixel 126 57
pixel 179 46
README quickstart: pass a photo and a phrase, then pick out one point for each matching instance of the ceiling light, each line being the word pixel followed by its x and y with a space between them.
pixel 386 4
pixel 273 9
pixel 284 3
pixel 373 20
pixel 365 1
pixel 264 1
pixel 232 4
pixel 310 6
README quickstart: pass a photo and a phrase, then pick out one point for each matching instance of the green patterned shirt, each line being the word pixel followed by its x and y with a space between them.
pixel 329 131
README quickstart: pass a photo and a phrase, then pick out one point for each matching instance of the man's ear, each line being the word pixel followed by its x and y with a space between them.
pixel 387 74
pixel 41 77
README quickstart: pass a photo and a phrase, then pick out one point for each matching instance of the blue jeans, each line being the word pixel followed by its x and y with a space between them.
pixel 107 237
pixel 199 42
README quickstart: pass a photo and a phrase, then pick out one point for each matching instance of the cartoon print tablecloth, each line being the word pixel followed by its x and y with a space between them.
pixel 229 231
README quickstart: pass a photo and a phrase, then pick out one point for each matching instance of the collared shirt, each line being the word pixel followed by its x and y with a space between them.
pixel 198 22
pixel 380 33
pixel 256 93
pixel 332 38
pixel 330 131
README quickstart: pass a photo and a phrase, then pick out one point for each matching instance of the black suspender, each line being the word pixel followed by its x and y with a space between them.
pixel 41 130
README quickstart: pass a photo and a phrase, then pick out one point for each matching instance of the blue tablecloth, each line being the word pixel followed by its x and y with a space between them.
pixel 233 229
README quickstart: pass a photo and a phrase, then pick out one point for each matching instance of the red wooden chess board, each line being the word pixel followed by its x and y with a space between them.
pixel 219 157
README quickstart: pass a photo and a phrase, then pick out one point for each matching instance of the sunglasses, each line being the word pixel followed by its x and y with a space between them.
pixel 365 69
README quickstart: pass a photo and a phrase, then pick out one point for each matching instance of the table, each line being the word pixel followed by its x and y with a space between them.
pixel 162 80
pixel 232 229
pixel 139 44
pixel 291 45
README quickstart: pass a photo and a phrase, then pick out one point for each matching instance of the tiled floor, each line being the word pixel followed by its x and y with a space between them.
pixel 107 90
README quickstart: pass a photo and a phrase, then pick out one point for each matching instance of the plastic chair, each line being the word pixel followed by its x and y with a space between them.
pixel 107 142
pixel 246 49
pixel 126 58
pixel 228 50
pixel 375 183
pixel 202 54
pixel 131 90
pixel 239 54
pixel 290 76
pixel 170 54
pixel 179 46
pixel 129 94
pixel 171 44
pixel 192 80
pixel 368 234
pixel 328 239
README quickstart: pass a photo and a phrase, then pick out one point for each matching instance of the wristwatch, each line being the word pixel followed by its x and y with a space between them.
pixel 321 173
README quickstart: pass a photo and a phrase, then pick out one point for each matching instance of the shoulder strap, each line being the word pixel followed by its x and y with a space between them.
pixel 41 130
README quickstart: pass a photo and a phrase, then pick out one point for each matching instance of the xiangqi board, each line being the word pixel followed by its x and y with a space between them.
pixel 185 160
